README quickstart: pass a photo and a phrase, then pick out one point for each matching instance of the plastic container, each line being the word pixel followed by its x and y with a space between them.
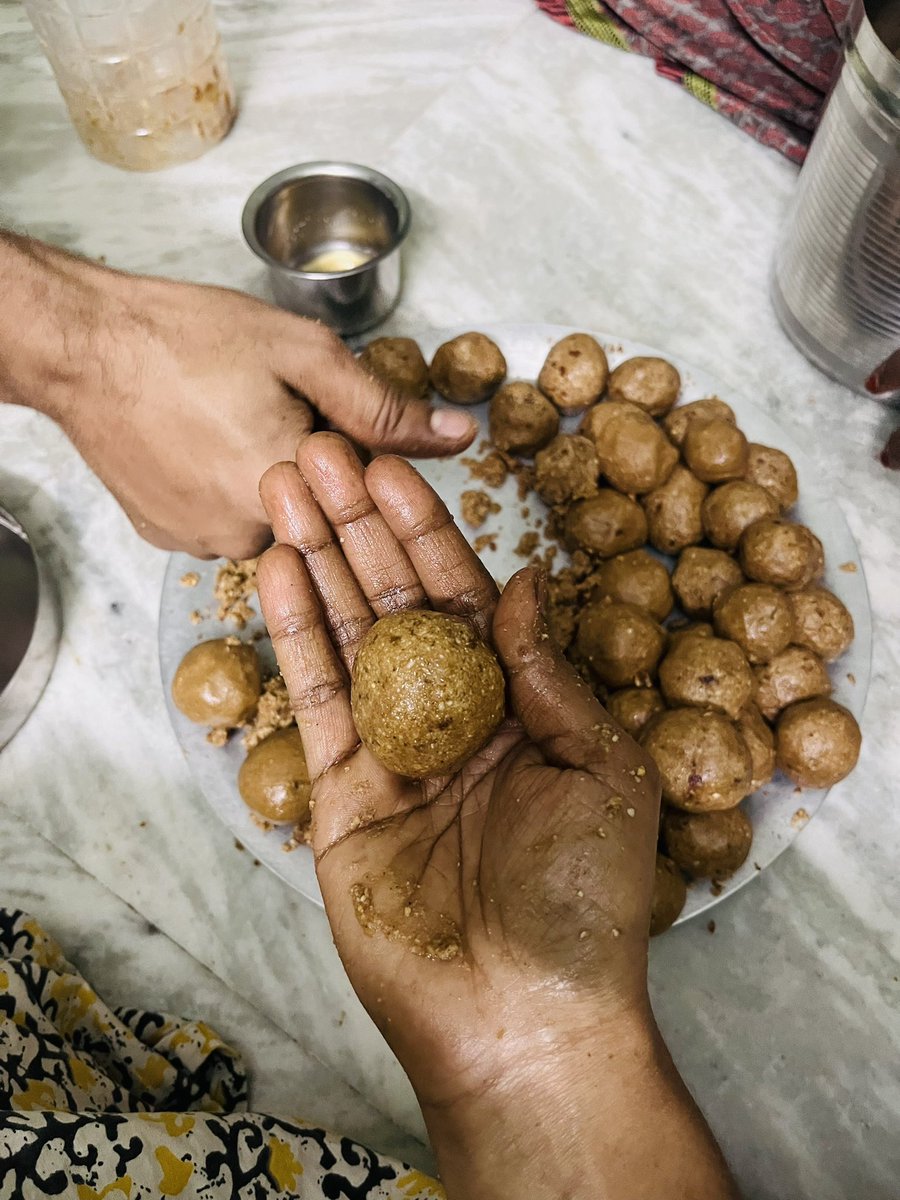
pixel 145 81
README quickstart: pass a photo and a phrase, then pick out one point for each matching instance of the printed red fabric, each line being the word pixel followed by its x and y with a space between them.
pixel 766 66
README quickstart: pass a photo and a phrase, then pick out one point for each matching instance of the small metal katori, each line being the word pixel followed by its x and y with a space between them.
pixel 330 234
pixel 29 626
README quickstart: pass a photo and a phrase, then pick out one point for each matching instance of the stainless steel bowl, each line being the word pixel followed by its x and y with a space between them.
pixel 29 626
pixel 308 221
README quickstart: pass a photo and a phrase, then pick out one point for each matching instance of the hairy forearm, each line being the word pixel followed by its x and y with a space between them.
pixel 50 312
pixel 613 1120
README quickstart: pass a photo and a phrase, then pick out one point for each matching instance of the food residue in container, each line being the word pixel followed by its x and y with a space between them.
pixel 850 567
pixel 189 579
pixel 799 819
pixel 342 258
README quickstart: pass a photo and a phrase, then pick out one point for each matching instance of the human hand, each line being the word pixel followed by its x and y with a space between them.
pixel 180 396
pixel 494 923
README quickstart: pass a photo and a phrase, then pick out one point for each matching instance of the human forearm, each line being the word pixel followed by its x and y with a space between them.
pixel 607 1117
pixel 51 311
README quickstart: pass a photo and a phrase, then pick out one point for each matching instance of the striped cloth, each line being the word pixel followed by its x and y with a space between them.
pixel 767 65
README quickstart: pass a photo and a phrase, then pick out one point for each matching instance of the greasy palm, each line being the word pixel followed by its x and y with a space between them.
pixel 472 907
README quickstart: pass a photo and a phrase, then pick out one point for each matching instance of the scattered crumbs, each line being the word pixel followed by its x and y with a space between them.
pixel 217 737
pixel 582 935
pixel 189 579
pixel 256 862
pixel 851 678
pixel 850 567
pixel 524 478
pixel 716 888
pixel 476 507
pixel 235 584
pixel 485 445
pixel 616 932
pixel 142 824
pixel 485 541
pixel 580 894
pixel 527 544
pixel 641 772
pixel 601 833
pixel 342 1017
pixel 501 1033
pixel 115 606
pixel 300 836
pixel 260 822
pixel 757 866
pixel 799 819
pixel 196 616
pixel 629 812
pixel 711 926
pixel 525 511
pixel 614 738
pixel 238 845
pixel 273 712
pixel 491 471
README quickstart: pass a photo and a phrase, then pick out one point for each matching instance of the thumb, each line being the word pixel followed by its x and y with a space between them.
pixel 368 410
pixel 553 703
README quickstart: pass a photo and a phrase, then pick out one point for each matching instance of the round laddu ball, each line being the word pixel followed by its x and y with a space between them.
pixel 521 419
pixel 674 511
pixel 638 578
pixel 427 693
pixel 274 779
pixel 781 553
pixel 468 369
pixel 731 507
pixel 566 469
pixel 398 362
pixel 574 373
pixel 794 674
pixel 822 622
pixel 701 576
pixel 817 743
pixel 715 450
pixel 773 470
pixel 669 896
pixel 620 643
pixel 677 422
pixel 703 761
pixel 634 707
pixel 218 683
pixel 710 845
pixel 706 672
pixel 758 617
pixel 635 455
pixel 761 744
pixel 675 633
pixel 605 524
pixel 652 383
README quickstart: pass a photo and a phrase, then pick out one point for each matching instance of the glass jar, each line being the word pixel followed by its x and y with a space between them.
pixel 145 81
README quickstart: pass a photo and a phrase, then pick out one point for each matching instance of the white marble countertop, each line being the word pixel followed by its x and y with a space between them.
pixel 552 179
